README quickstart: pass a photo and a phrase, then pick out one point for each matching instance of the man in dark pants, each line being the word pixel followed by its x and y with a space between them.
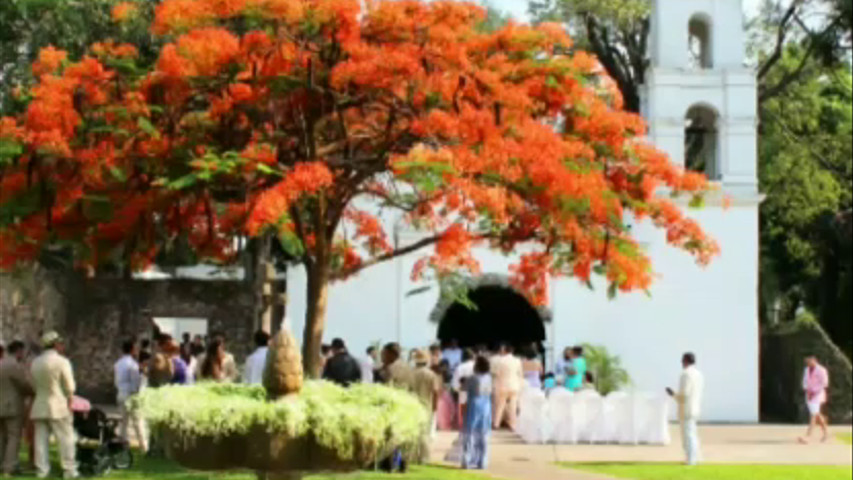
pixel 342 368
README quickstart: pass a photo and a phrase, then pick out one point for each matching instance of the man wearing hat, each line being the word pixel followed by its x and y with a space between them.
pixel 426 385
pixel 53 381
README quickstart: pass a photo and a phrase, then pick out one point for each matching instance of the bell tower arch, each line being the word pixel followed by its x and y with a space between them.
pixel 700 98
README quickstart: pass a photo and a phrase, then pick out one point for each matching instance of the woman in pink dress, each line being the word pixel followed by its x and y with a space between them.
pixel 445 414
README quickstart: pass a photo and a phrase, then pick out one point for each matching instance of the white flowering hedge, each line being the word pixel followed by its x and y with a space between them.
pixel 372 415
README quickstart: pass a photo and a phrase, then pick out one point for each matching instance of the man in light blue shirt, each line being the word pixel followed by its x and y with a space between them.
pixel 128 382
pixel 453 354
pixel 577 370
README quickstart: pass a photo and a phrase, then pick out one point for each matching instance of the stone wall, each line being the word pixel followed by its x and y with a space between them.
pixel 31 301
pixel 782 352
pixel 96 315
pixel 101 313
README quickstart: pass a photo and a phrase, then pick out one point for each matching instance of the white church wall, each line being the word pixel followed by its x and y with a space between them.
pixel 711 311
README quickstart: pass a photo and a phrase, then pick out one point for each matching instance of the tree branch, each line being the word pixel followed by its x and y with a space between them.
pixel 388 256
pixel 613 62
pixel 781 36
pixel 300 232
pixel 765 92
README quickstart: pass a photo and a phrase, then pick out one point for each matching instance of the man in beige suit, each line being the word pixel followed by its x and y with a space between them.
pixel 54 385
pixel 15 389
pixel 508 375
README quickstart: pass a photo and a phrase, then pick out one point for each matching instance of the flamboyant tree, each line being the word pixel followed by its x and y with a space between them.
pixel 302 119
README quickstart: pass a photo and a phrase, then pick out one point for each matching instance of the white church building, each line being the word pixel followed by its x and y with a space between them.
pixel 700 104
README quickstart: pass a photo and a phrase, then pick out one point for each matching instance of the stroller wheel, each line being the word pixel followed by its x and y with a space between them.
pixel 102 461
pixel 122 458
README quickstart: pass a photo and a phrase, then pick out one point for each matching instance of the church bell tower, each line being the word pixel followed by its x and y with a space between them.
pixel 700 97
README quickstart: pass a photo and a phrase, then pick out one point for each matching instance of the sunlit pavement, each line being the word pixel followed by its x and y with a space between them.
pixel 724 444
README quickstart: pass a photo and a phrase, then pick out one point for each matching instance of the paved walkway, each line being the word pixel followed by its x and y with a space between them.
pixel 723 444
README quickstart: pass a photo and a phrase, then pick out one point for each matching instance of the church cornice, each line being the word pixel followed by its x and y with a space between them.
pixel 723 194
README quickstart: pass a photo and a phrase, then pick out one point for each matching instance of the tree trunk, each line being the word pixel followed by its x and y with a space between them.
pixel 315 316
pixel 260 260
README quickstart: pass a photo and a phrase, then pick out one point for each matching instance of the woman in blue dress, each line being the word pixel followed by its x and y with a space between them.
pixel 478 417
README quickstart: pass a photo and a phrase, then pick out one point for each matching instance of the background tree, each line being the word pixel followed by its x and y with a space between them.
pixel 617 31
pixel 806 171
pixel 321 124
pixel 27 26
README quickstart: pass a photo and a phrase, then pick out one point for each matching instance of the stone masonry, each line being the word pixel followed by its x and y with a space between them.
pixel 96 315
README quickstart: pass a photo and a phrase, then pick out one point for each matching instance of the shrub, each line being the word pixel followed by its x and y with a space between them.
pixel 374 415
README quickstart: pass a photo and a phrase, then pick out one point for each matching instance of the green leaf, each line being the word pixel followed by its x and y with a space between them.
pixel 146 126
pixel 433 100
pixel 9 151
pixel 21 205
pixel 698 201
pixel 118 174
pixel 97 209
pixel 612 290
pixel 267 170
pixel 290 242
pixel 183 182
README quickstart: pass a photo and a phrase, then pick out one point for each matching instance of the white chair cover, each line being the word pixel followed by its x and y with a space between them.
pixel 650 421
pixel 533 424
pixel 616 420
pixel 560 403
pixel 588 406
pixel 586 417
pixel 658 433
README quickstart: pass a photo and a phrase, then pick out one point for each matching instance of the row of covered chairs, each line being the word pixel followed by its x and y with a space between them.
pixel 564 417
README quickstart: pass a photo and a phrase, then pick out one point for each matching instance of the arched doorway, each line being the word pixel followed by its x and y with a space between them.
pixel 501 315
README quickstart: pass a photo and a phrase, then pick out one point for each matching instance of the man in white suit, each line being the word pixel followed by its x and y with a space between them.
pixel 689 398
pixel 54 385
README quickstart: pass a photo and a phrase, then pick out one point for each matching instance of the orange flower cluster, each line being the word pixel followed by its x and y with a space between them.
pixel 201 52
pixel 531 276
pixel 370 229
pixel 111 49
pixel 305 179
pixel 452 254
pixel 124 11
pixel 49 61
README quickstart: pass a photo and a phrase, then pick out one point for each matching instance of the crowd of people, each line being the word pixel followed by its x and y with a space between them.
pixel 475 390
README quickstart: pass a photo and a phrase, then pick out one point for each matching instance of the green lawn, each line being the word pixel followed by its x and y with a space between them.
pixel 716 472
pixel 154 469
pixel 846 438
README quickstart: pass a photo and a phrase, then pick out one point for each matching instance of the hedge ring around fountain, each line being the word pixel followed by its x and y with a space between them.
pixel 286 428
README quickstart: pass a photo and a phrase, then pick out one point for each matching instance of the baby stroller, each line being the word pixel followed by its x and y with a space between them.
pixel 99 448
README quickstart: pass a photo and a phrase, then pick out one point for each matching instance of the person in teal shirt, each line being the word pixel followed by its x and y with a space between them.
pixel 577 370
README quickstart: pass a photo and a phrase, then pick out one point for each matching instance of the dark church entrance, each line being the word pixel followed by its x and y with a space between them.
pixel 502 315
